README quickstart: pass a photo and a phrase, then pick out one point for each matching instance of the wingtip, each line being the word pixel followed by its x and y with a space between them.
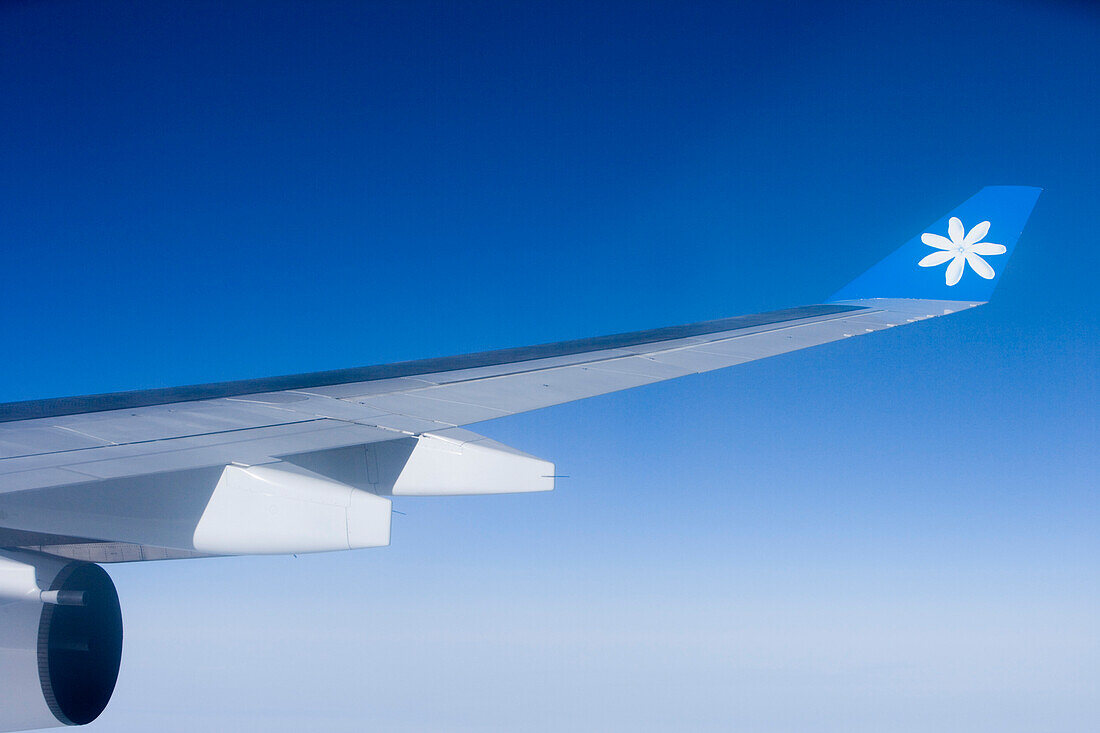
pixel 910 271
pixel 1005 187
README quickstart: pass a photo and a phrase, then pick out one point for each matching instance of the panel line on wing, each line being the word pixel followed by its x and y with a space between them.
pixel 154 440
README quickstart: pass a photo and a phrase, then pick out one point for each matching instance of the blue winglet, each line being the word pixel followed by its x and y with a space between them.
pixel 960 257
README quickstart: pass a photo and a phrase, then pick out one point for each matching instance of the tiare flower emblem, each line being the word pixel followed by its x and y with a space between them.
pixel 961 249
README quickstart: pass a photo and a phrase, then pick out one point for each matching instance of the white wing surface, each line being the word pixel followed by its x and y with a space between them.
pixel 296 463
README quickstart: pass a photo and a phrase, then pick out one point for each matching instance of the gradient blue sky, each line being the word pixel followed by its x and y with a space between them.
pixel 893 533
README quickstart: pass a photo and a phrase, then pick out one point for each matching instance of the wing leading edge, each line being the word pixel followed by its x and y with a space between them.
pixel 171 464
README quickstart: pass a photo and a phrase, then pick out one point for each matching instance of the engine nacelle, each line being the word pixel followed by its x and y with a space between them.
pixel 58 661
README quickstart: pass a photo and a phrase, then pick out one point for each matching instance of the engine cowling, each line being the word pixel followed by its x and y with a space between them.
pixel 58 662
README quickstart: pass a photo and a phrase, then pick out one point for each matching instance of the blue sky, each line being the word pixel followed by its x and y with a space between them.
pixel 893 533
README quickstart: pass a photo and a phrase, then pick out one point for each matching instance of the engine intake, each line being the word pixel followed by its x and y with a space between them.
pixel 60 660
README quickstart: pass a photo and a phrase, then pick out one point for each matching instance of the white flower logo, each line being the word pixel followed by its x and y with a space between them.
pixel 961 250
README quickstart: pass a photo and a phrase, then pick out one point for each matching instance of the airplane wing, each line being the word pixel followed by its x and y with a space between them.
pixel 307 463
pixel 138 472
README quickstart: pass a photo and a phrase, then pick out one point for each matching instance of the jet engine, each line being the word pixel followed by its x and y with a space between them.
pixel 60 641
